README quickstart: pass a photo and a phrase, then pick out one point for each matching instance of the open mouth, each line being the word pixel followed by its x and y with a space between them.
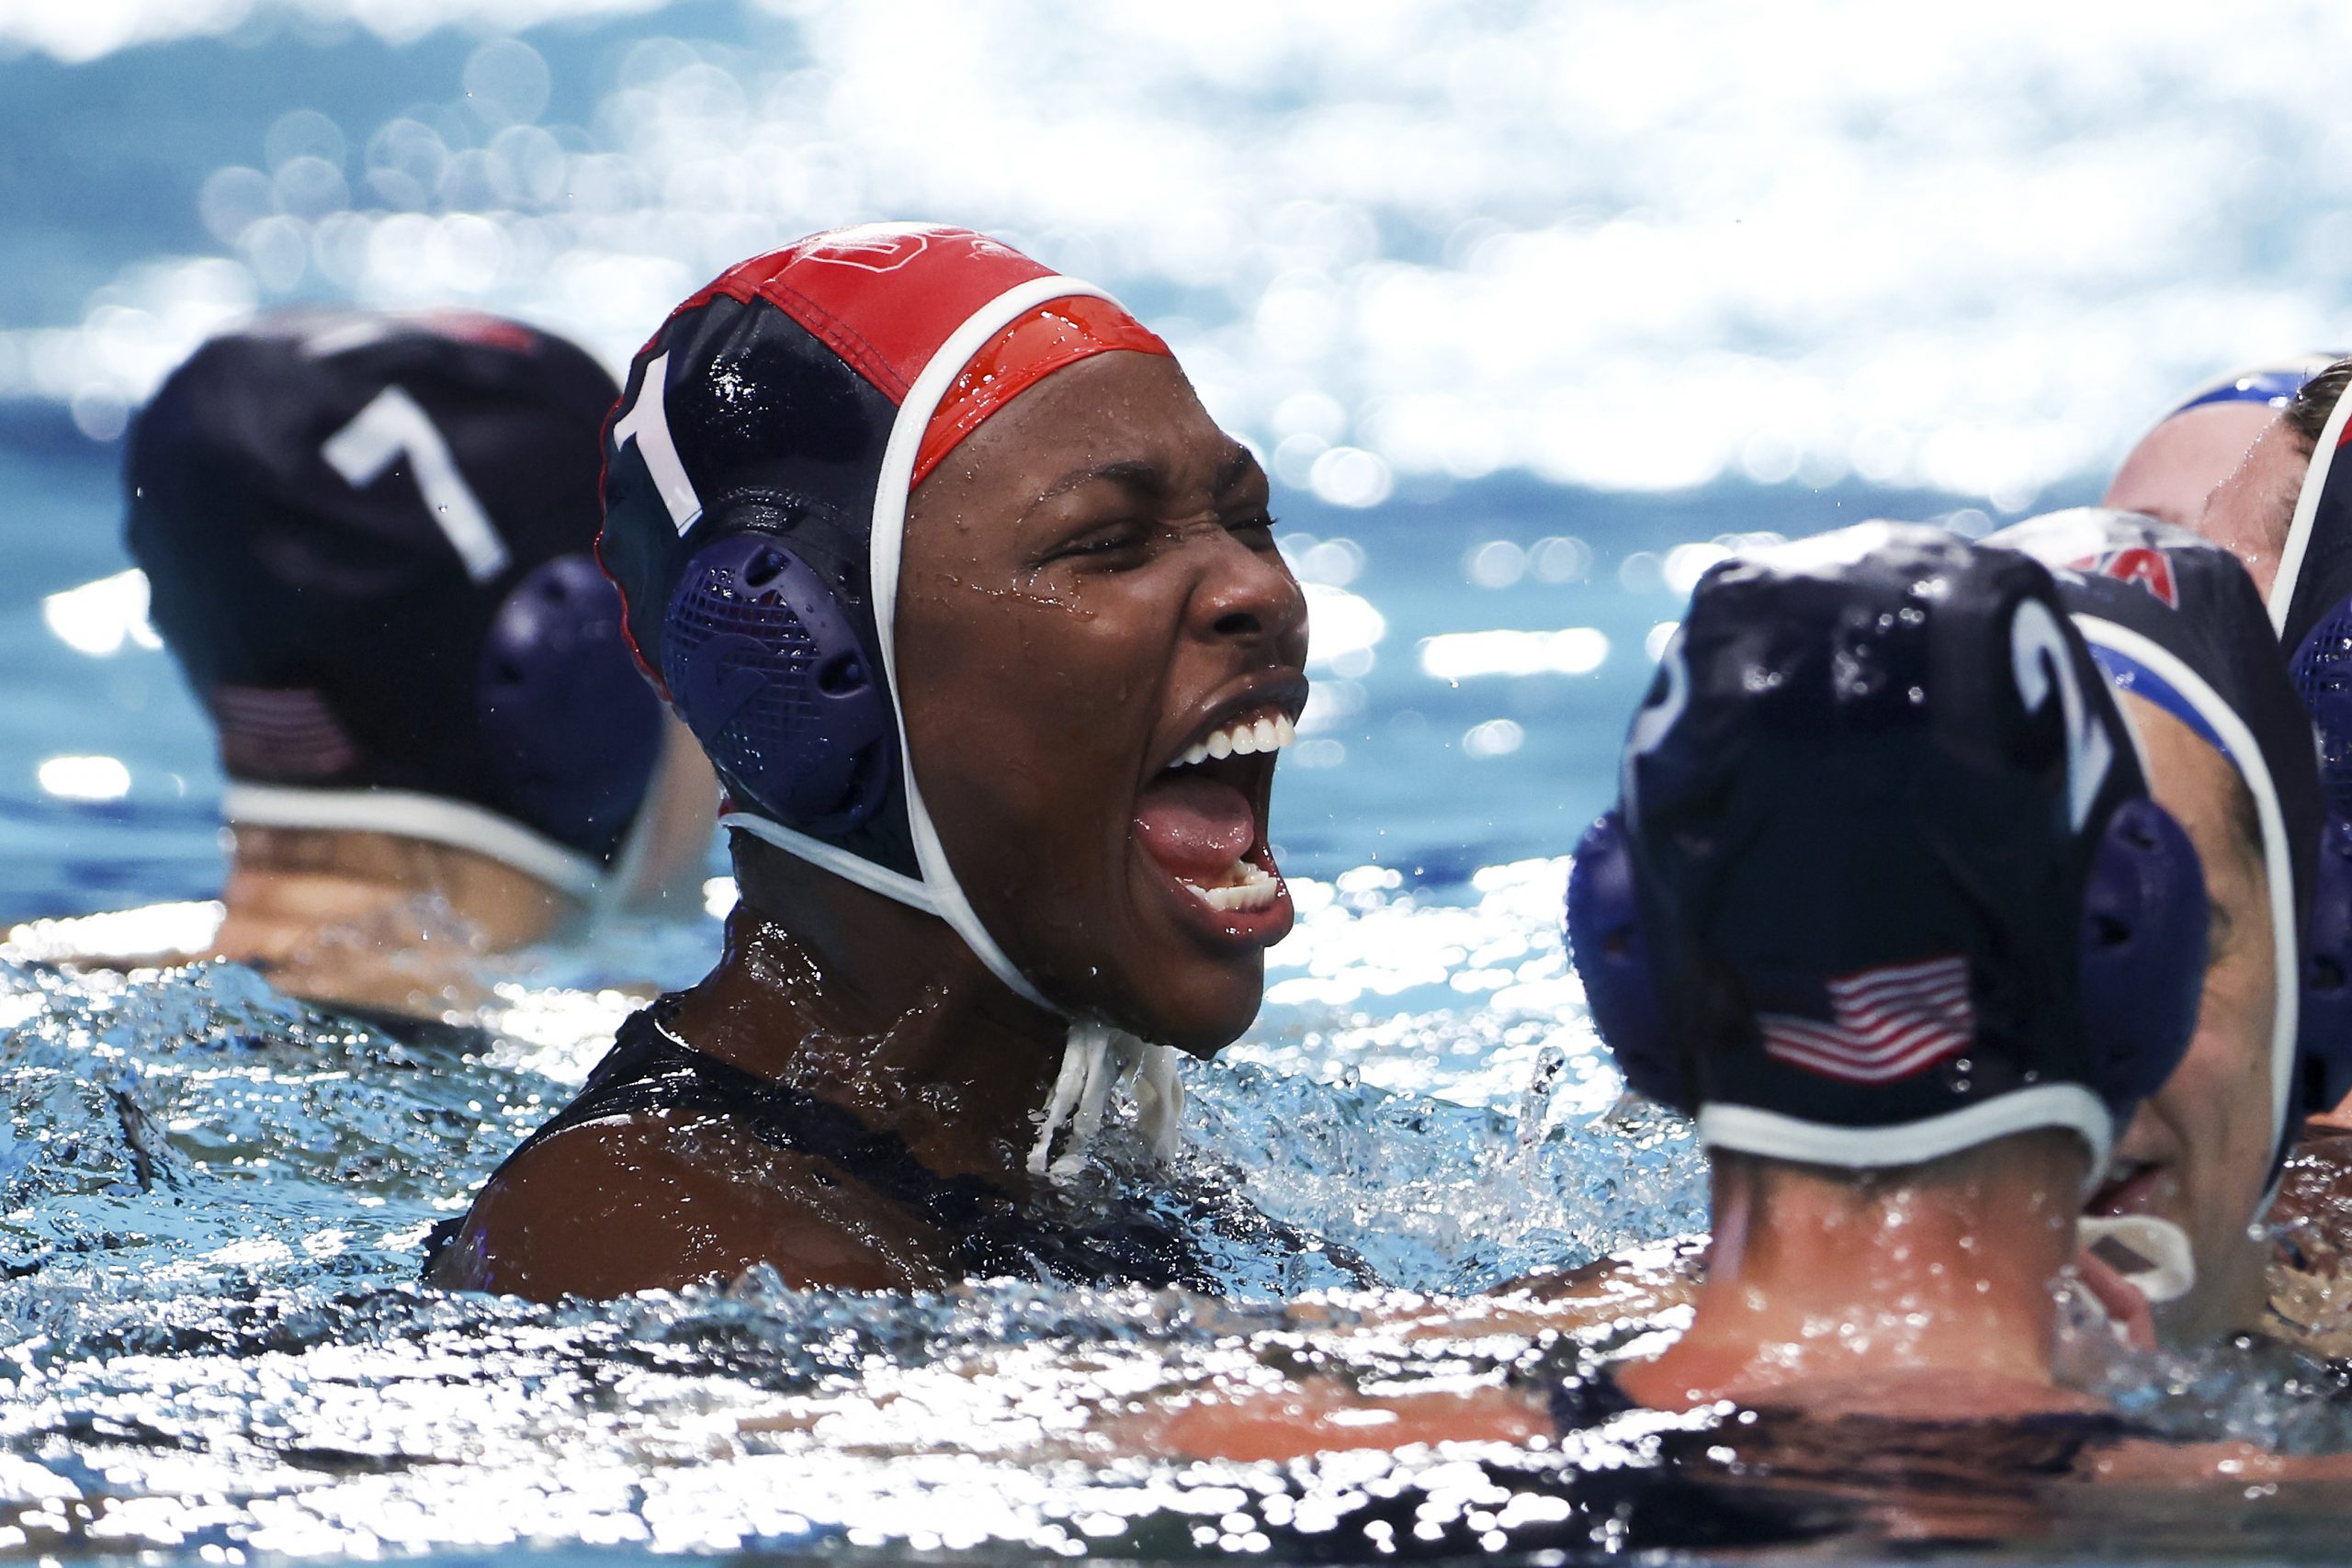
pixel 2133 1187
pixel 1201 819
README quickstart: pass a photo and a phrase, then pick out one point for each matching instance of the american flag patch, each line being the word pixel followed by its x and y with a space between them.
pixel 1885 1024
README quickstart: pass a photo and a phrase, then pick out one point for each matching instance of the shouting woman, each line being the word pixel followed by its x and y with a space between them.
pixel 979 616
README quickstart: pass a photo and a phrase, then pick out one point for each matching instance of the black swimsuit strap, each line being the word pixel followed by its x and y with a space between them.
pixel 650 1069
pixel 1581 1401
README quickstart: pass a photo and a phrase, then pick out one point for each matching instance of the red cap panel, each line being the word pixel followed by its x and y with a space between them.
pixel 1059 333
pixel 883 295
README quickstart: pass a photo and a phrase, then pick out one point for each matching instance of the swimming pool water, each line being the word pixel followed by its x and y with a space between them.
pixel 212 1345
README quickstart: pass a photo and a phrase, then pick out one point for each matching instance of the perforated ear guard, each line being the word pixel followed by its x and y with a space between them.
pixel 2142 937
pixel 1607 945
pixel 763 666
pixel 2323 1025
pixel 571 732
pixel 2321 671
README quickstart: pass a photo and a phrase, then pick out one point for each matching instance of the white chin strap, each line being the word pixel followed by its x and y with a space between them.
pixel 1097 1059
pixel 2169 1263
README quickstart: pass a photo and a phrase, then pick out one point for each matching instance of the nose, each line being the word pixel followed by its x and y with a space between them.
pixel 1250 596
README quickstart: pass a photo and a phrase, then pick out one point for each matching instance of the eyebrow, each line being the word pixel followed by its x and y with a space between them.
pixel 1149 479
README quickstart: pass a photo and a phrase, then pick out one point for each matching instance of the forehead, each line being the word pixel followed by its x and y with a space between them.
pixel 1112 408
pixel 2176 465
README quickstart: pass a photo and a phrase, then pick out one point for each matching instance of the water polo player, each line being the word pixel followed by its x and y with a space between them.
pixel 2269 505
pixel 2177 623
pixel 2179 629
pixel 2171 470
pixel 1886 908
pixel 978 614
pixel 2287 512
pixel 368 540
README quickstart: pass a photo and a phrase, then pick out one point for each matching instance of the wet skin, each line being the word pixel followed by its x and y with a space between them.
pixel 1135 602
pixel 409 927
pixel 1925 1293
pixel 2175 467
pixel 1089 586
pixel 2197 1152
pixel 2251 511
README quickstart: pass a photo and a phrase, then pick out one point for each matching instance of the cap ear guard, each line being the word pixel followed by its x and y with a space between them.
pixel 2324 1025
pixel 2142 967
pixel 769 673
pixel 2321 669
pixel 1612 955
pixel 571 731
pixel 2144 949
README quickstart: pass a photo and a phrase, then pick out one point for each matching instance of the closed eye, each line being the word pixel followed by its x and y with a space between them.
pixel 1107 544
pixel 1258 530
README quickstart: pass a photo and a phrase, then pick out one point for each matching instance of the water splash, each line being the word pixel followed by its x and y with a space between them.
pixel 212 1340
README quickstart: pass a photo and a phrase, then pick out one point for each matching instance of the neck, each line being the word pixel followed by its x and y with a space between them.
pixel 1908 1291
pixel 881 1009
pixel 377 920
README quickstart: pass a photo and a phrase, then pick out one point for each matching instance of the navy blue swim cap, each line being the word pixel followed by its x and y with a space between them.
pixel 368 542
pixel 2272 384
pixel 1882 840
pixel 2310 602
pixel 2174 618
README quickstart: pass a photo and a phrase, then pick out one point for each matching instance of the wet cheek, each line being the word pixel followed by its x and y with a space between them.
pixel 1040 737
pixel 2225 1092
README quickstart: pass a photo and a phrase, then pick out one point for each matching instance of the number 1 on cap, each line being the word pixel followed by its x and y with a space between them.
pixel 392 425
pixel 647 424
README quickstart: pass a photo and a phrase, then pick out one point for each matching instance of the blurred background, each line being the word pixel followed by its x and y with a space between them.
pixel 1533 309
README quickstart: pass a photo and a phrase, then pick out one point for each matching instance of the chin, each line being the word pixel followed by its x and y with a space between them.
pixel 1199 1014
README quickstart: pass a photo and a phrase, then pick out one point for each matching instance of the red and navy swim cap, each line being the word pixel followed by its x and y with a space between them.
pixel 758 469
pixel 366 539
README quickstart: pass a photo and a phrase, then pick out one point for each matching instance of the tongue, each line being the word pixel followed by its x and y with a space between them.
pixel 1194 825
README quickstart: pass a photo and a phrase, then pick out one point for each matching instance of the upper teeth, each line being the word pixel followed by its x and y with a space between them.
pixel 1243 739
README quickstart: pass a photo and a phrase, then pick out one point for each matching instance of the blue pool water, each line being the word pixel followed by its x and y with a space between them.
pixel 1532 312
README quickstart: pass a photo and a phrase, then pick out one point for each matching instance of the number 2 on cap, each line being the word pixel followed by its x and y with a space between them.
pixel 647 424
pixel 392 425
pixel 2038 656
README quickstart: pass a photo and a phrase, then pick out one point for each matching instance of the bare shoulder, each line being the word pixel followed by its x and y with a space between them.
pixel 1638 1281
pixel 2147 1462
pixel 659 1202
pixel 1318 1415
